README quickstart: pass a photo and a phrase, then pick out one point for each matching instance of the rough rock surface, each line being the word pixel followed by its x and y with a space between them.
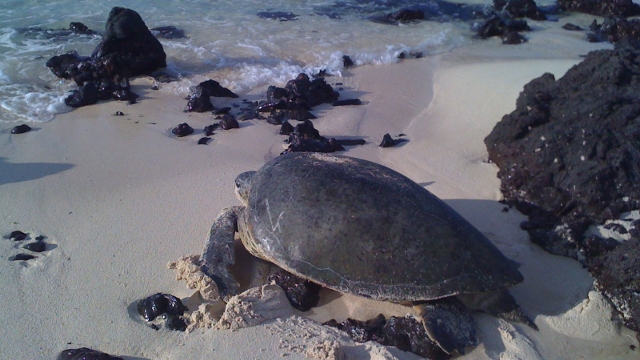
pixel 200 95
pixel 85 354
pixel 407 334
pixel 614 30
pixel 128 49
pixel 617 275
pixel 505 28
pixel 601 7
pixel 520 8
pixel 569 157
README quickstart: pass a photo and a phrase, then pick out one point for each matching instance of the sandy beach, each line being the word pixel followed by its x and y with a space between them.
pixel 119 197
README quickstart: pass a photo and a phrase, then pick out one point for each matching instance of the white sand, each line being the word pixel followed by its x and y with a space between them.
pixel 119 197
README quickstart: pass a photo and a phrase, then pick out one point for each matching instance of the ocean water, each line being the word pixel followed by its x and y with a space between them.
pixel 226 41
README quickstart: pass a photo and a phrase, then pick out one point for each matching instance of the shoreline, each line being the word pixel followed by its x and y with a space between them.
pixel 119 197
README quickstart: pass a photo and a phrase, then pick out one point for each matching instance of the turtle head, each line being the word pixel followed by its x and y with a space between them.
pixel 243 185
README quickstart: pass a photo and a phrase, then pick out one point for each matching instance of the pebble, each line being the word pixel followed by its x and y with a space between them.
pixel 22 257
pixel 38 246
pixel 21 129
pixel 17 235
pixel 85 354
pixel 182 130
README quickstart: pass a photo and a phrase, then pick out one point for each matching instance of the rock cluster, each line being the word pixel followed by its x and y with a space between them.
pixel 407 334
pixel 128 49
pixel 569 157
pixel 601 7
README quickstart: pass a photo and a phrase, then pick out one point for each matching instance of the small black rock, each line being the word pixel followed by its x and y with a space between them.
pixel 571 27
pixel 158 304
pixel 38 246
pixel 18 235
pixel 204 140
pixel 286 128
pixel 175 323
pixel 387 141
pixel 351 142
pixel 22 257
pixel 21 129
pixel 347 102
pixel 182 130
pixel 118 113
pixel 209 129
pixel 85 354
pixel 302 294
pixel 346 61
pixel 228 122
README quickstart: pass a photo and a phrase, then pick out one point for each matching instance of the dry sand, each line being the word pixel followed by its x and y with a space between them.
pixel 119 197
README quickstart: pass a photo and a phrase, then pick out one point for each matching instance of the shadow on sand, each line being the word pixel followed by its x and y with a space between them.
pixel 13 173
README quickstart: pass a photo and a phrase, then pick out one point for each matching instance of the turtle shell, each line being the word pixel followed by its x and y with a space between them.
pixel 361 228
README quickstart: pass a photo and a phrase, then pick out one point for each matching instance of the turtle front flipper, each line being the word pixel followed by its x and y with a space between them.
pixel 499 303
pixel 449 324
pixel 219 252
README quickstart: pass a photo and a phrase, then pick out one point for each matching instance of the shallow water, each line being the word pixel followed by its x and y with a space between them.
pixel 226 41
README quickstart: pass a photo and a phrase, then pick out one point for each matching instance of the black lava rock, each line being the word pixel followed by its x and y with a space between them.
pixel 407 334
pixel 182 130
pixel 572 27
pixel 176 323
pixel 200 97
pixel 406 16
pixel 617 274
pixel 228 122
pixel 346 102
pixel 497 26
pixel 569 155
pixel 387 141
pixel 346 61
pixel 286 128
pixel 168 32
pixel 85 354
pixel 38 246
pixel 80 28
pixel 86 94
pixel 158 304
pixel 520 8
pixel 302 294
pixel 513 38
pixel 204 140
pixel 127 49
pixel 209 129
pixel 615 30
pixel 129 45
pixel 17 235
pixel 323 145
pixel 21 129
pixel 601 7
pixel 22 257
pixel 278 15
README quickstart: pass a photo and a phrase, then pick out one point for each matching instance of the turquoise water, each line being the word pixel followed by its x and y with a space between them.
pixel 226 41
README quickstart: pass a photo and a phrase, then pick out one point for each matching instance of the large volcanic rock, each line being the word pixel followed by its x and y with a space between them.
pixel 569 157
pixel 520 8
pixel 601 7
pixel 128 49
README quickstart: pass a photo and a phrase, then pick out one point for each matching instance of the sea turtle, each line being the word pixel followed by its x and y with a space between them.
pixel 361 228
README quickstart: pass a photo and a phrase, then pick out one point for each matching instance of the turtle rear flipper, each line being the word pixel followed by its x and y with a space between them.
pixel 219 252
pixel 499 303
pixel 449 324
